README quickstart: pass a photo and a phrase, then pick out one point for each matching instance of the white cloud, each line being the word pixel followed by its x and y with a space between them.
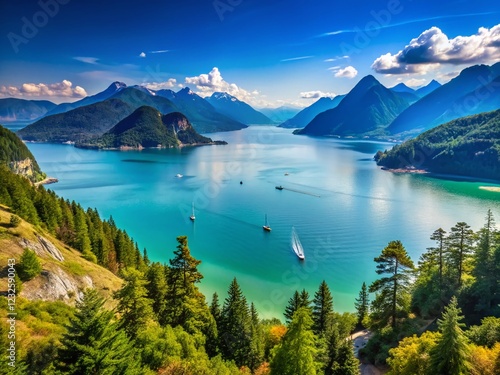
pixel 317 94
pixel 415 82
pixel 87 60
pixel 142 54
pixel 168 84
pixel 62 89
pixel 347 72
pixel 207 84
pixel 159 51
pixel 433 47
pixel 336 58
pixel 297 58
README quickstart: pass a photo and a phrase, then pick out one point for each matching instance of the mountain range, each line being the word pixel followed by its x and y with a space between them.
pixel 14 110
pixel 366 110
pixel 305 116
pixel 280 114
pixel 146 127
pixel 238 110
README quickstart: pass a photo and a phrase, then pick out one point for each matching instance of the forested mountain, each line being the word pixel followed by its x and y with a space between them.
pixel 236 109
pixel 99 97
pixel 203 115
pixel 77 124
pixel 15 155
pixel 469 146
pixel 12 109
pixel 305 116
pixel 147 127
pixel 366 110
pixel 460 97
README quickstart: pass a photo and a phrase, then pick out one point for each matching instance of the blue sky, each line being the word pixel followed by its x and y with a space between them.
pixel 267 53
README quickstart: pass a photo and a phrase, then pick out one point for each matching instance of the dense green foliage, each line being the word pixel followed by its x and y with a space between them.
pixel 29 265
pixel 97 239
pixel 362 305
pixel 147 127
pixel 77 124
pixel 468 146
pixel 13 150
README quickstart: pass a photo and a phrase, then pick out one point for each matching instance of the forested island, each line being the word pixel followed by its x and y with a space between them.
pixel 134 316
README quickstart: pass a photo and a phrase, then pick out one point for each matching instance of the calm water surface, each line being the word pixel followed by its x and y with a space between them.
pixel 344 208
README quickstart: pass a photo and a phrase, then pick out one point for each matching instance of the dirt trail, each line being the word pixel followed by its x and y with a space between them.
pixel 359 340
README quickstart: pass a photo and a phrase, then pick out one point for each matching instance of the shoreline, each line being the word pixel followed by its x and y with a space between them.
pixel 47 181
pixel 445 176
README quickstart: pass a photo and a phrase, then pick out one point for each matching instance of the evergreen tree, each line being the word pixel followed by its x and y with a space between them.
pixel 460 243
pixel 157 290
pixel 345 362
pixel 436 254
pixel 392 290
pixel 256 354
pixel 483 270
pixel 234 331
pixel 133 305
pixel 215 308
pixel 362 305
pixel 182 293
pixel 451 354
pixel 322 310
pixel 297 351
pixel 29 265
pixel 297 301
pixel 93 344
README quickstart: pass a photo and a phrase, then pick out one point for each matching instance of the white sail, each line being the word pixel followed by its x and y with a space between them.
pixel 296 245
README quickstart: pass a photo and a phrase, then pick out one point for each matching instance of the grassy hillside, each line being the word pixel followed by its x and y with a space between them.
pixel 469 146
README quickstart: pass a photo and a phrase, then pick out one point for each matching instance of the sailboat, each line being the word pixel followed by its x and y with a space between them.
pixel 296 245
pixel 192 217
pixel 266 226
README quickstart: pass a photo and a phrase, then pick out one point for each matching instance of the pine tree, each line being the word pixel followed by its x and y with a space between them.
pixel 215 308
pixel 345 362
pixel 234 331
pixel 451 354
pixel 437 253
pixel 322 310
pixel 392 290
pixel 93 344
pixel 362 305
pixel 297 351
pixel 133 305
pixel 256 354
pixel 29 265
pixel 483 270
pixel 157 290
pixel 460 243
pixel 297 301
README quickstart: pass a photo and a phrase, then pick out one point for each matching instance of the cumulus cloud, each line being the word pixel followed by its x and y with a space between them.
pixel 207 84
pixel 317 94
pixel 337 58
pixel 168 84
pixel 142 54
pixel 62 89
pixel 433 47
pixel 87 60
pixel 347 72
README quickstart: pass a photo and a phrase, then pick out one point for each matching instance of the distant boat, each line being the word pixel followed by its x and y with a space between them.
pixel 286 173
pixel 296 245
pixel 279 187
pixel 192 217
pixel 178 175
pixel 266 226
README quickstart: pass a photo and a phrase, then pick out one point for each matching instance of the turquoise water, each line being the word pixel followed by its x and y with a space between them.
pixel 344 208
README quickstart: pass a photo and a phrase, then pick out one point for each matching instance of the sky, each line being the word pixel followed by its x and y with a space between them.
pixel 267 53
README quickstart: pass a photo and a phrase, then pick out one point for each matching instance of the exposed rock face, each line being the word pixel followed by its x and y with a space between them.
pixel 23 167
pixel 43 247
pixel 57 285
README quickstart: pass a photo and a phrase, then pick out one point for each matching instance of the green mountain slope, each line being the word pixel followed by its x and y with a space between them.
pixel 12 109
pixel 305 116
pixel 147 127
pixel 77 124
pixel 15 155
pixel 366 110
pixel 469 146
